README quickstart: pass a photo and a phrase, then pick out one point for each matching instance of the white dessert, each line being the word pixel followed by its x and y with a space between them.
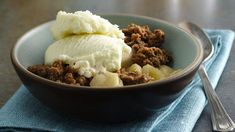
pixel 90 44
pixel 83 22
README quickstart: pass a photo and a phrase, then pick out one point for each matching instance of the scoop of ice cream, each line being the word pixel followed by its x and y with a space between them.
pixel 90 53
pixel 83 22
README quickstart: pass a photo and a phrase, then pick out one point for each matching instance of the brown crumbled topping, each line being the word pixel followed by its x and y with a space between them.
pixel 149 55
pixel 69 78
pixel 40 70
pixel 131 78
pixel 60 72
pixel 136 34
pixel 83 81
pixel 146 45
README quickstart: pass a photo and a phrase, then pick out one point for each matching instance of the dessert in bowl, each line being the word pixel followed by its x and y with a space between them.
pixel 120 100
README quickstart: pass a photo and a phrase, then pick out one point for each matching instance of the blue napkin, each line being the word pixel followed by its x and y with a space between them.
pixel 23 112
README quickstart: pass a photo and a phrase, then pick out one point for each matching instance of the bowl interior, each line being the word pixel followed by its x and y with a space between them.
pixel 31 47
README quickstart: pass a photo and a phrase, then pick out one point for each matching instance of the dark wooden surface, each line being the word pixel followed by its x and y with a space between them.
pixel 19 16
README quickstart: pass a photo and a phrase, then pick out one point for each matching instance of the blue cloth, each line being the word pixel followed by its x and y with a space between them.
pixel 23 112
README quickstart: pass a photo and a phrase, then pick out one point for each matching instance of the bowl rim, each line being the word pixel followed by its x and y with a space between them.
pixel 187 70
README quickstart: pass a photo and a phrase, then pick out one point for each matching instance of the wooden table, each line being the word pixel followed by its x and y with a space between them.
pixel 18 16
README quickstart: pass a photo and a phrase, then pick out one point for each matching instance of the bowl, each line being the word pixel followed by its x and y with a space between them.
pixel 111 104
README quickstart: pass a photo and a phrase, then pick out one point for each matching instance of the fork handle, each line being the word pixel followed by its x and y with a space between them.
pixel 220 119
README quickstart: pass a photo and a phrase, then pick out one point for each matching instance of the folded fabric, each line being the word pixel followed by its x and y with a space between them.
pixel 23 112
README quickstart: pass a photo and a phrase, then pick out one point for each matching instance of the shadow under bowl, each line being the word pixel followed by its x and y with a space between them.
pixel 114 104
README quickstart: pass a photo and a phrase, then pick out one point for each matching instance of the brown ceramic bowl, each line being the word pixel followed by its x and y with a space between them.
pixel 112 104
